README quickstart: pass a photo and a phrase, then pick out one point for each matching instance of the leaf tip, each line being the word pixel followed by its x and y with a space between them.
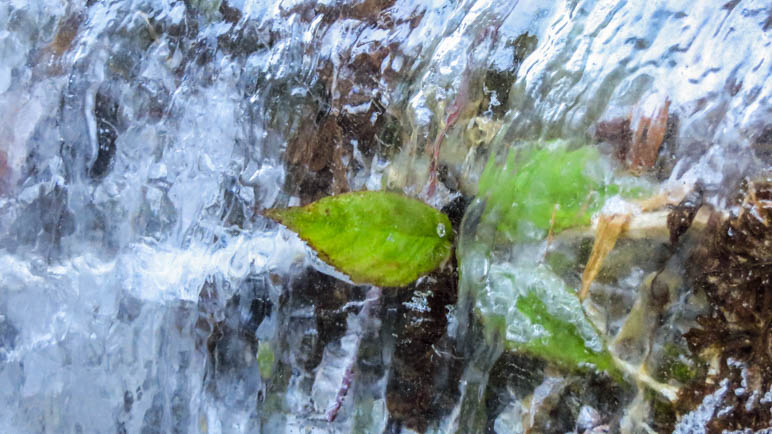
pixel 274 214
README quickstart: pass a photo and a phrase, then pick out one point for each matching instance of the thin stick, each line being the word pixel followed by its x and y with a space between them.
pixel 640 375
pixel 372 299
pixel 647 225
pixel 650 225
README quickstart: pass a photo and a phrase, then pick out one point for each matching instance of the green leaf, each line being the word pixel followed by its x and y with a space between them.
pixel 375 237
pixel 538 179
pixel 534 311
pixel 562 342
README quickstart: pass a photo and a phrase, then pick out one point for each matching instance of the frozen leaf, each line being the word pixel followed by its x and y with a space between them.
pixel 562 342
pixel 537 312
pixel 549 186
pixel 380 238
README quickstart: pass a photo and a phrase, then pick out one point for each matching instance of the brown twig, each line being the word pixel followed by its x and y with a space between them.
pixel 609 229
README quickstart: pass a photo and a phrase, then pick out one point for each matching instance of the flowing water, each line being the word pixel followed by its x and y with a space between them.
pixel 141 289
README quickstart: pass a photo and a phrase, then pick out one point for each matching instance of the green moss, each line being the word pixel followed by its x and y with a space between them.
pixel 677 364
pixel 265 359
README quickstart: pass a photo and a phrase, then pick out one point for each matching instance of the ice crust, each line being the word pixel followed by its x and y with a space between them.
pixel 140 139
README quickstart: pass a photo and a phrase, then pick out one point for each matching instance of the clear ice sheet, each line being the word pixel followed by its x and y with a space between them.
pixel 140 139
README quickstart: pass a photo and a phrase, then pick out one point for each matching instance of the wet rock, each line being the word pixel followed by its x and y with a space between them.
pixel 455 211
pixel 682 215
pixel 353 118
pixel 106 115
pixel 234 211
pixel 322 155
pixel 553 403
pixel 325 296
pixel 369 11
pixel 513 376
pixel 129 308
pixel 498 82
pixel 423 384
pixel 762 145
pixel 229 14
pixel 616 132
pixel 667 157
pixel 226 332
pixel 606 398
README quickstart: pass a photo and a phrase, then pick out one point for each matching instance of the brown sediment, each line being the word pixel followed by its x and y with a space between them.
pixel 66 32
pixel 733 268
